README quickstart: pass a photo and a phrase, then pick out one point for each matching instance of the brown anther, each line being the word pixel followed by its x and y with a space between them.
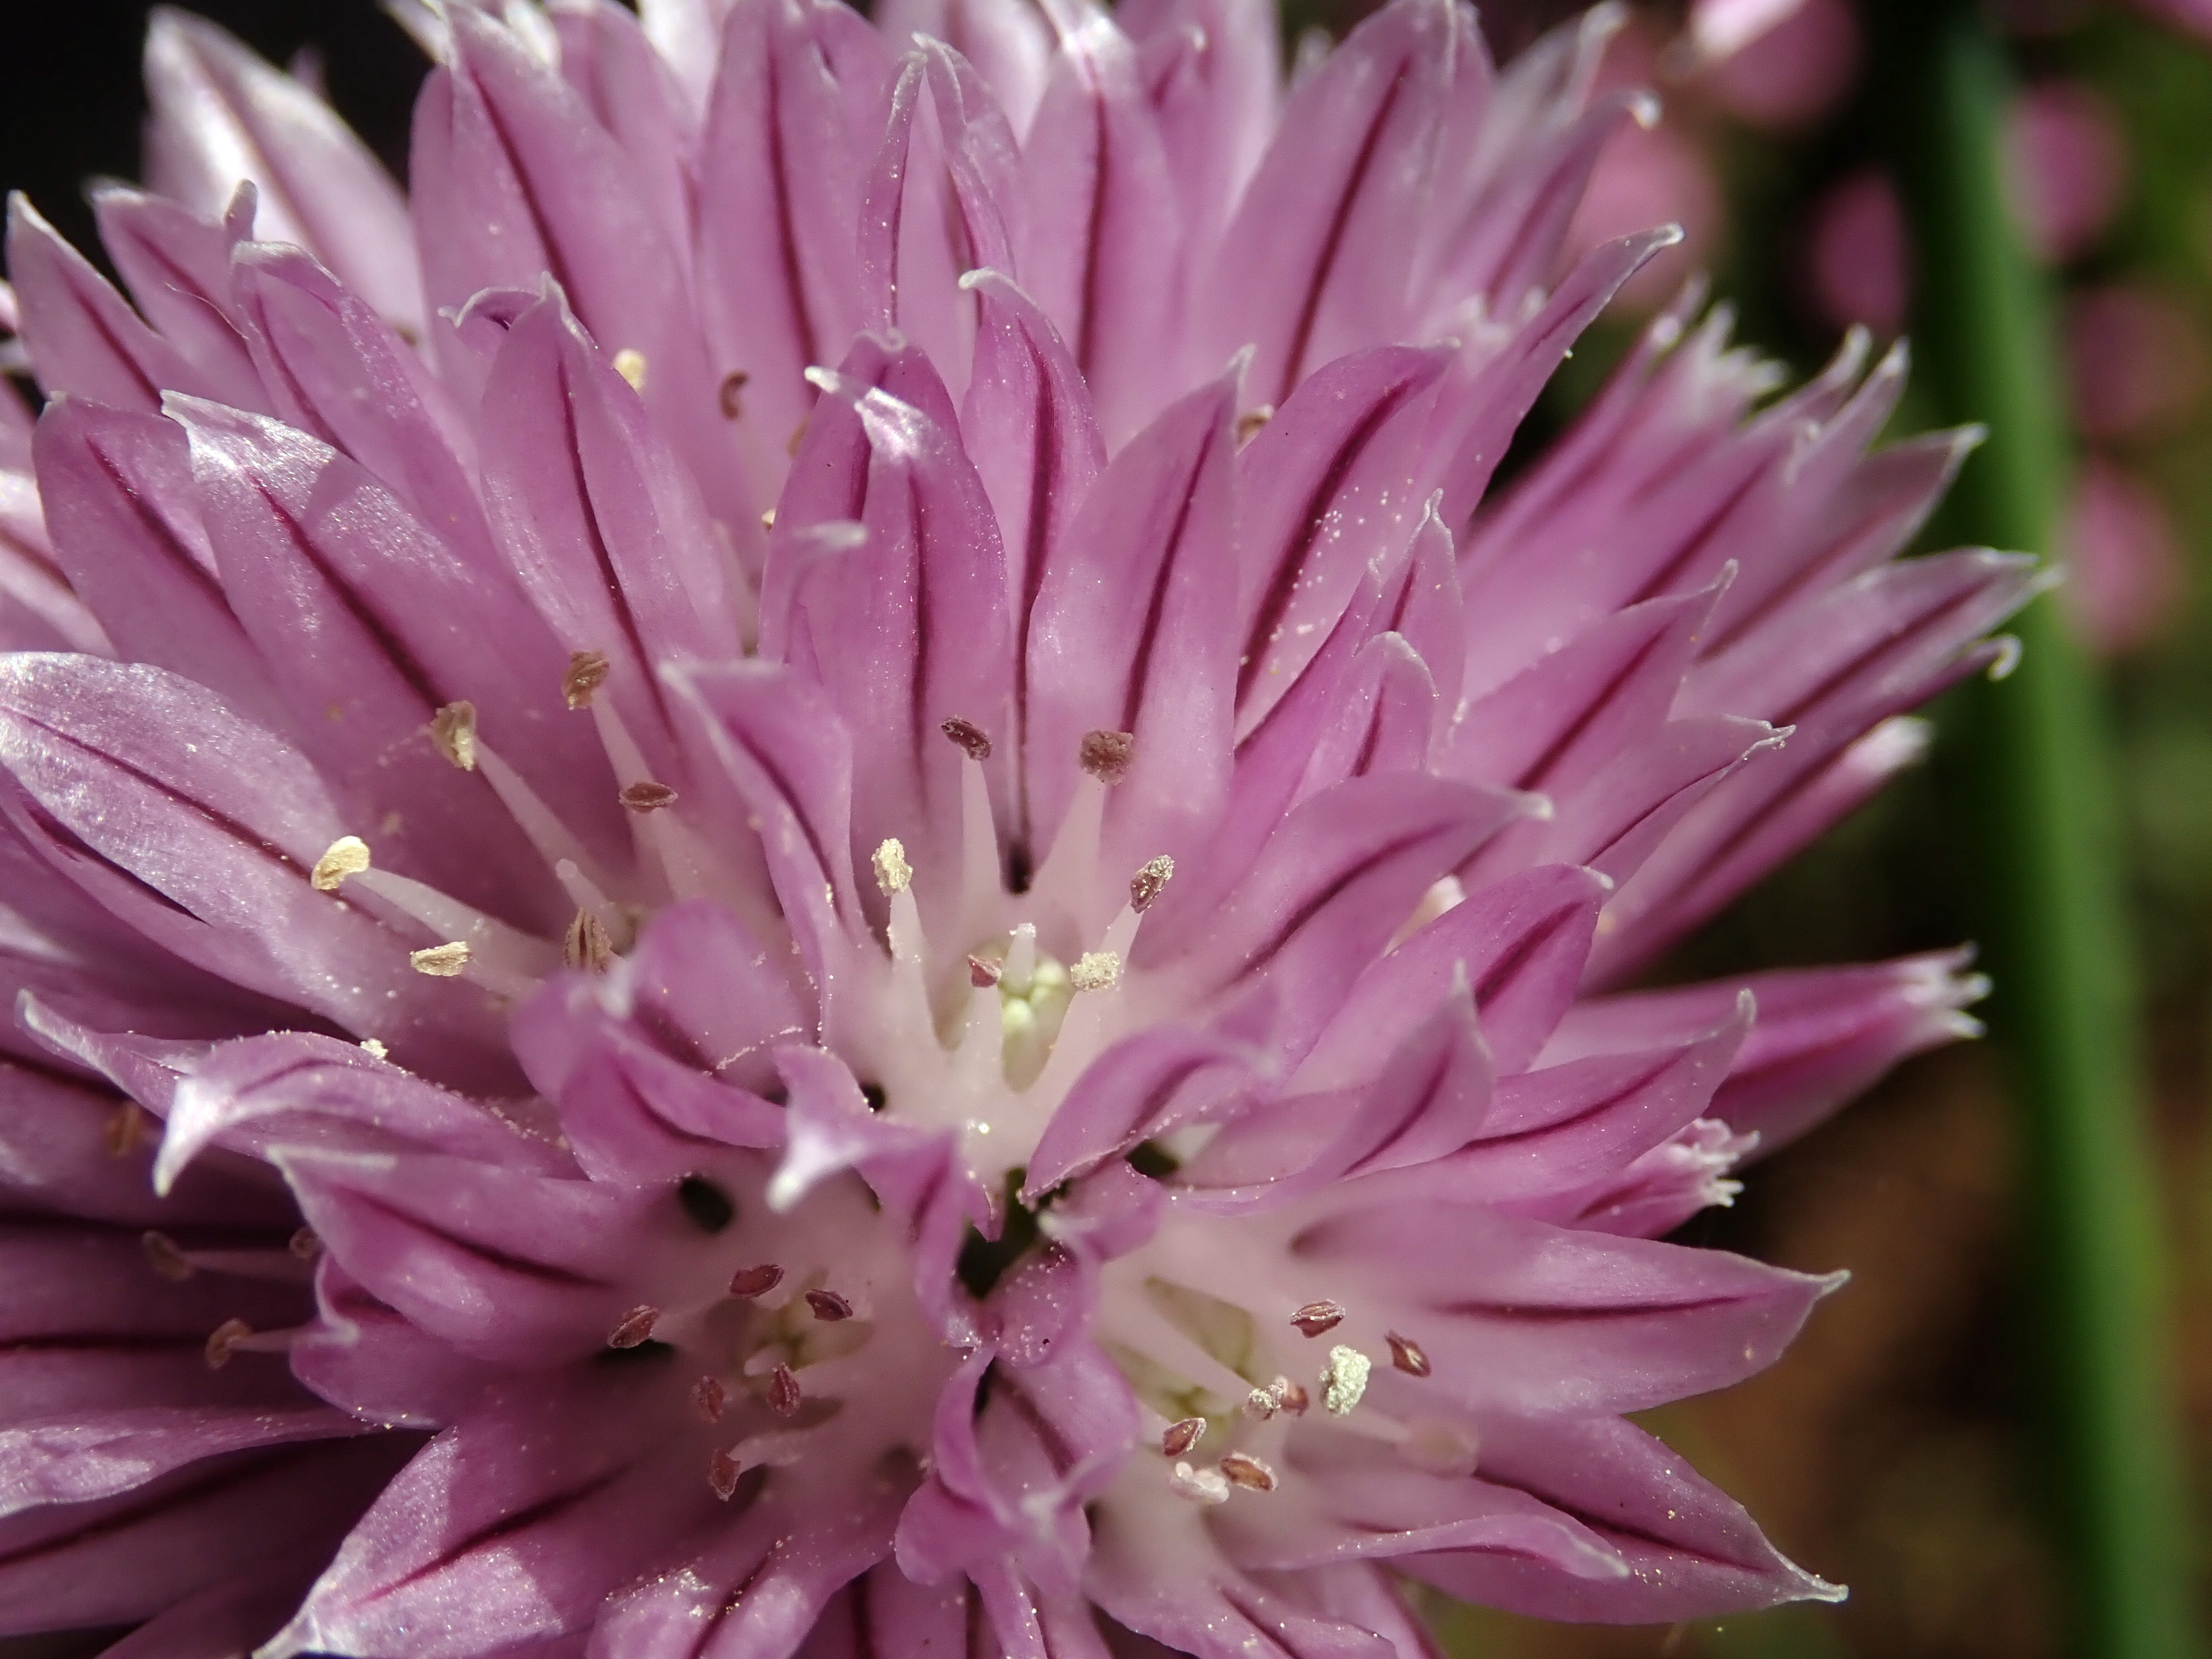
pixel 588 671
pixel 1246 1471
pixel 756 1281
pixel 1318 1317
pixel 646 796
pixel 585 944
pixel 164 1257
pixel 1292 1396
pixel 798 437
pixel 125 1128
pixel 304 1244
pixel 973 741
pixel 1406 1354
pixel 634 1328
pixel 708 1396
pixel 1181 1436
pixel 829 1306
pixel 784 1398
pixel 453 729
pixel 223 1341
pixel 1149 883
pixel 1249 422
pixel 983 973
pixel 732 397
pixel 1106 754
pixel 722 1472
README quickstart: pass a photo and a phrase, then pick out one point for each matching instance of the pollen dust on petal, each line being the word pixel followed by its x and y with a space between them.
pixel 448 961
pixel 346 856
pixel 453 729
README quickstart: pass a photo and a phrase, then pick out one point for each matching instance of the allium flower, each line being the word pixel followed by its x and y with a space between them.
pixel 846 882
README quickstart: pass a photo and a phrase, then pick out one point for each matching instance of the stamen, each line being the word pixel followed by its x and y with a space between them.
pixel 447 961
pixel 722 1472
pixel 346 856
pixel 125 1128
pixel 1345 1380
pixel 552 840
pixel 708 1396
pixel 1182 1436
pixel 768 519
pixel 829 1306
pixel 1149 883
pixel 1249 422
pixel 629 363
pixel 1242 1469
pixel 732 396
pixel 305 1244
pixel 784 1398
pixel 1095 970
pixel 798 437
pixel 750 1282
pixel 646 796
pixel 1318 1318
pixel 453 729
pixel 165 1257
pixel 893 873
pixel 588 671
pixel 374 1049
pixel 1260 1404
pixel 1406 1354
pixel 634 1328
pixel 983 973
pixel 585 944
pixel 971 737
pixel 1199 1486
pixel 1106 754
pixel 502 958
pixel 1293 1395
pixel 223 1341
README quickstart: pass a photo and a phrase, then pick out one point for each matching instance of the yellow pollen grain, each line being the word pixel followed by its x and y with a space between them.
pixel 453 729
pixel 440 961
pixel 893 873
pixel 346 856
pixel 1095 970
pixel 374 1049
pixel 629 363
pixel 1345 1380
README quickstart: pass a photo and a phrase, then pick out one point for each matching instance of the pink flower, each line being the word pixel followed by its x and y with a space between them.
pixel 2066 165
pixel 1009 1053
pixel 1855 265
pixel 2124 568
pixel 2138 360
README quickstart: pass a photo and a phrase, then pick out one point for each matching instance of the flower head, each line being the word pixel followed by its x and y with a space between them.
pixel 813 865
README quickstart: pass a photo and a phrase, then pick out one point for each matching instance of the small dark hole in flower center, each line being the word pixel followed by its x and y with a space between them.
pixel 707 1205
pixel 651 1350
pixel 874 1095
pixel 1150 1159
pixel 1019 870
pixel 983 1261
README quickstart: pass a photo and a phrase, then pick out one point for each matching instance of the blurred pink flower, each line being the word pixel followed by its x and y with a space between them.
pixel 1855 255
pixel 2065 167
pixel 1789 73
pixel 2137 358
pixel 2123 560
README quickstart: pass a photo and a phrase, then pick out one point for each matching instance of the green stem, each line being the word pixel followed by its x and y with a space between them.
pixel 2054 919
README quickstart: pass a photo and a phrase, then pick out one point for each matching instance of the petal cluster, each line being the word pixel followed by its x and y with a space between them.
pixel 812 866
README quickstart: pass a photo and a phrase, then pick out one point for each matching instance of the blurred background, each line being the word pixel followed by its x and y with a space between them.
pixel 1906 1445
